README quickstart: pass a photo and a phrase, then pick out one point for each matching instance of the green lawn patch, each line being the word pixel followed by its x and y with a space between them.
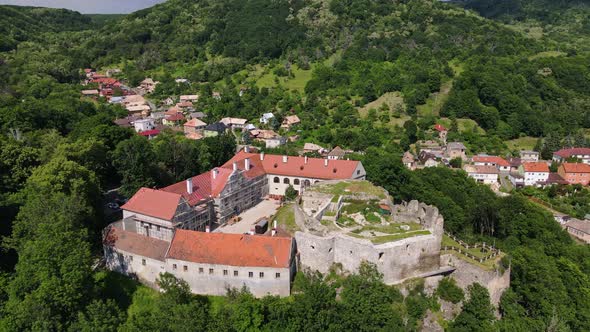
pixel 395 237
pixel 522 143
pixel 285 217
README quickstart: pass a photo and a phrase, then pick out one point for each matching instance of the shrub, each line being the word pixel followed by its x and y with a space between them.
pixel 449 291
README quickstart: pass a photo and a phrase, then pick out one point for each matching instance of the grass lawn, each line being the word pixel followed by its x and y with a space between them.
pixel 447 241
pixel 395 237
pixel 344 187
pixel 389 229
pixel 547 54
pixel 522 143
pixel 285 217
pixel 268 80
pixel 435 101
pixel 463 124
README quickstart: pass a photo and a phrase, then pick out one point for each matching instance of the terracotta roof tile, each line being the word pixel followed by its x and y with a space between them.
pixel 439 127
pixel 499 161
pixel 231 249
pixel 537 167
pixel 566 153
pixel 576 168
pixel 135 243
pixel 296 166
pixel 195 123
pixel 154 203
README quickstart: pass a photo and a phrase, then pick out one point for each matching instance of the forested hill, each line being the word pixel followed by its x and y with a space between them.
pixel 27 23
pixel 548 11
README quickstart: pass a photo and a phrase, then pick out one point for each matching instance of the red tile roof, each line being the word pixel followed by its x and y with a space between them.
pixel 175 117
pixel 566 153
pixel 439 127
pixel 555 178
pixel 201 188
pixel 296 166
pixel 154 203
pixel 499 161
pixel 195 123
pixel 134 243
pixel 231 249
pixel 483 169
pixel 537 167
pixel 152 132
pixel 576 168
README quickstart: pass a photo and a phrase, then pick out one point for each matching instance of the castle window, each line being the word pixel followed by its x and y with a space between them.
pixel 235 273
pixel 296 182
pixel 277 275
pixel 185 268
pixel 286 181
pixel 261 275
pixel 250 274
pixel 210 271
pixel 380 256
pixel 158 228
pixel 143 262
pixel 276 179
pixel 200 270
pixel 131 258
pixel 224 272
pixel 173 266
pixel 358 172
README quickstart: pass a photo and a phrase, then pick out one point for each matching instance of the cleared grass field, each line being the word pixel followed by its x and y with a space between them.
pixel 522 143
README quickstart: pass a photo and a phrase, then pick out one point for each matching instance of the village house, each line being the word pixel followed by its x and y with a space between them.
pixel 575 173
pixel 90 93
pixel 148 85
pixel 534 173
pixel 427 159
pixel 173 119
pixel 456 150
pixel 290 121
pixel 216 95
pixel 266 118
pixel 112 72
pixel 442 132
pixel 336 153
pixel 583 154
pixel 143 110
pixel 486 174
pixel 409 161
pixel 185 105
pixel 214 129
pixel 193 129
pixel 484 160
pixel 529 155
pixel 197 115
pixel 144 124
pixel 149 134
pixel 312 147
pixel 269 137
pixel 234 123
pixel 189 98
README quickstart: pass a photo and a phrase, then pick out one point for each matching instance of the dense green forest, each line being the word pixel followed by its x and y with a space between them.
pixel 326 60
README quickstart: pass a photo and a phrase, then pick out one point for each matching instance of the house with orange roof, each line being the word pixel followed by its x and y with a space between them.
pixel 575 173
pixel 485 174
pixel 194 126
pixel 484 160
pixel 534 173
pixel 290 121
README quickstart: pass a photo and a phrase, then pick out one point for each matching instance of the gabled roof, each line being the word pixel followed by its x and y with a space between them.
pixel 337 152
pixel 439 127
pixel 231 249
pixel 537 167
pixel 576 168
pixel 312 147
pixel 456 146
pixel 152 132
pixel 175 117
pixel 499 161
pixel 195 123
pixel 566 153
pixel 189 97
pixel 155 203
pixel 555 178
pixel 291 119
pixel 90 92
pixel 295 166
pixel 217 126
pixel 233 121
pixel 481 169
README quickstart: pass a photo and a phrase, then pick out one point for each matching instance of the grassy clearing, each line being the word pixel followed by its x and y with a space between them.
pixel 447 241
pixel 522 143
pixel 389 229
pixel 269 79
pixel 436 100
pixel 347 187
pixel 463 124
pixel 390 98
pixel 395 237
pixel 285 218
pixel 547 54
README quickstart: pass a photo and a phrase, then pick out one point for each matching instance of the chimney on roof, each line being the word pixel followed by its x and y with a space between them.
pixel 305 160
pixel 189 185
pixel 235 165
pixel 207 229
pixel 215 172
pixel 261 155
pixel 247 149
pixel 325 162
pixel 273 232
pixel 247 164
pixel 285 158
pixel 252 232
pixel 274 224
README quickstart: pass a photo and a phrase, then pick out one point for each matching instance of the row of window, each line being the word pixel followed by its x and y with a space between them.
pixel 225 272
pixel 202 270
pixel 288 181
pixel 146 225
